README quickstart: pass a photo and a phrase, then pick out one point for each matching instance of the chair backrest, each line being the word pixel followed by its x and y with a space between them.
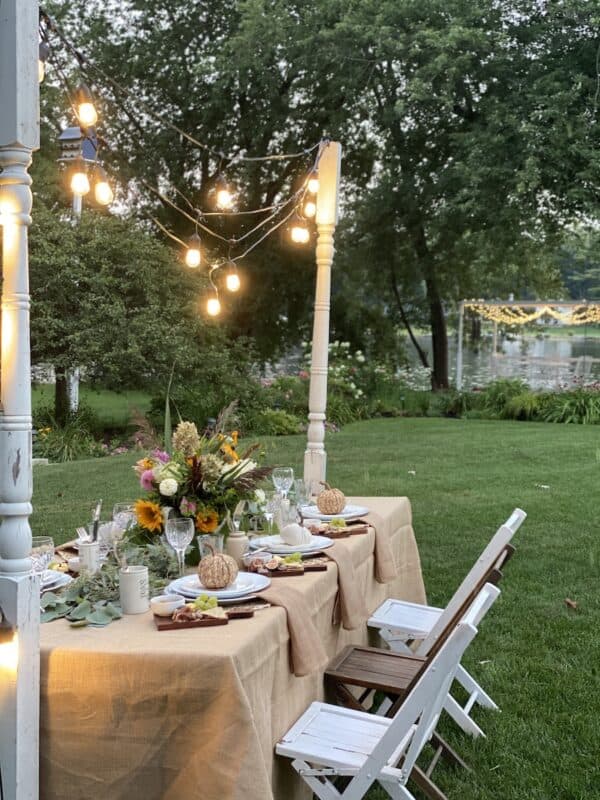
pixel 414 721
pixel 481 605
pixel 493 554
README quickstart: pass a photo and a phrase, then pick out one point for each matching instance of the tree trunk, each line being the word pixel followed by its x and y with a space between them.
pixel 475 327
pixel 61 398
pixel 421 353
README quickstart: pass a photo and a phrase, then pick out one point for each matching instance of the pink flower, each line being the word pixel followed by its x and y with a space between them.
pixel 147 480
pixel 187 507
pixel 161 456
pixel 303 374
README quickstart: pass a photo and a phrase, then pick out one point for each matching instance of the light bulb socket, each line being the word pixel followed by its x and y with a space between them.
pixel 84 94
pixel 194 242
pixel 43 51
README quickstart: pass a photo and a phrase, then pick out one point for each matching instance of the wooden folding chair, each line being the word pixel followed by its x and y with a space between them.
pixel 394 674
pixel 329 741
pixel 400 623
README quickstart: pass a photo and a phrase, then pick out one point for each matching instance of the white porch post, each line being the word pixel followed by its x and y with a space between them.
pixel 19 591
pixel 459 346
pixel 315 457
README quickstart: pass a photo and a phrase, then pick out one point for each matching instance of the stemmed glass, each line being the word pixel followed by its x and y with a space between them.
pixel 42 553
pixel 271 507
pixel 180 533
pixel 123 518
pixel 283 478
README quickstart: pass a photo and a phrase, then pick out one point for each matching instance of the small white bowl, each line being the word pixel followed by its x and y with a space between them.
pixel 165 604
pixel 313 525
pixel 248 558
pixel 74 564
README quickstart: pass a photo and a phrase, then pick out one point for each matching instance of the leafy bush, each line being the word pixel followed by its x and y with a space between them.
pixel 526 405
pixel 498 393
pixel 456 404
pixel 85 418
pixel 273 422
pixel 68 443
pixel 580 406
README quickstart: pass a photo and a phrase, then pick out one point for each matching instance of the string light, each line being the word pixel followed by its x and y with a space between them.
pixel 310 209
pixel 102 189
pixel 86 110
pixel 193 254
pixel 224 197
pixel 313 182
pixel 213 306
pixel 232 279
pixel 80 183
pixel 299 233
pixel 515 315
pixel 43 53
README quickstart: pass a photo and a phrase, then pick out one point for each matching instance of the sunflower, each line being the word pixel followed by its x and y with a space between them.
pixel 149 515
pixel 207 521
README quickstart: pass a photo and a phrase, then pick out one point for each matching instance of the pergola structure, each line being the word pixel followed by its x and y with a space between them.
pixel 522 312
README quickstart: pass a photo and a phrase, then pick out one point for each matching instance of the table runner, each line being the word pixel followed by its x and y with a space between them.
pixel 133 714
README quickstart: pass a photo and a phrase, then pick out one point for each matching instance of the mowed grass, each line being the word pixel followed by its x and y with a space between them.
pixel 112 408
pixel 539 659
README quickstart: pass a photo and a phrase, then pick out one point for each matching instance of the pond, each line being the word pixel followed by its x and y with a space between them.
pixel 542 361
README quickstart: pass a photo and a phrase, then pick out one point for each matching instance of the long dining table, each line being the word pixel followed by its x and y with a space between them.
pixel 131 713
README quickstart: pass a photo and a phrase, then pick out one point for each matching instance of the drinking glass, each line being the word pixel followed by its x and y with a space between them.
pixel 180 533
pixel 283 478
pixel 42 553
pixel 124 516
pixel 273 501
pixel 301 492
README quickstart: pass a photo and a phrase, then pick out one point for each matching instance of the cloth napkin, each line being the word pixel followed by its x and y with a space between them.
pixel 350 604
pixel 307 653
pixel 386 568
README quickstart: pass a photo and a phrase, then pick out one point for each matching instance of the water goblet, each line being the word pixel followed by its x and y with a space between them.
pixel 301 492
pixel 180 533
pixel 124 516
pixel 273 501
pixel 283 478
pixel 42 553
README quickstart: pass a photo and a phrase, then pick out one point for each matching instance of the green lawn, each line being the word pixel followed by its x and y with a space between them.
pixel 113 408
pixel 539 659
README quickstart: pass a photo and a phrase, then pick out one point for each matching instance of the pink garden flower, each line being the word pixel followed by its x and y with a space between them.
pixel 147 480
pixel 187 507
pixel 161 456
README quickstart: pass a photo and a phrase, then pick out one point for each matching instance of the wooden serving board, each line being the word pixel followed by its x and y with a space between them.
pixel 168 624
pixel 343 533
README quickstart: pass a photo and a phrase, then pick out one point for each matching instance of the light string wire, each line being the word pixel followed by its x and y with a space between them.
pixel 86 64
pixel 296 198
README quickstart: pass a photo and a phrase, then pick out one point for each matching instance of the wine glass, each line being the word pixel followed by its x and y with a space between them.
pixel 283 478
pixel 180 533
pixel 42 553
pixel 124 516
pixel 273 500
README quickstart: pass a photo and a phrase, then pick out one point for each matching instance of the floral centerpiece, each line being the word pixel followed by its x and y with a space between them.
pixel 203 478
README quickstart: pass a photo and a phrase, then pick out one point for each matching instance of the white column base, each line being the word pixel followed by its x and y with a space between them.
pixel 315 469
pixel 19 688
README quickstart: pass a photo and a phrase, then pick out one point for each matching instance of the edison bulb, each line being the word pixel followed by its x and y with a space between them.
pixel 313 183
pixel 193 257
pixel 213 306
pixel 232 281
pixel 102 189
pixel 80 183
pixel 224 198
pixel 299 234
pixel 88 116
pixel 310 209
pixel 41 71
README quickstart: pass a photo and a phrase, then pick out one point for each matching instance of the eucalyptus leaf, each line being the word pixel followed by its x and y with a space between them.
pixel 114 611
pixel 50 600
pixel 81 611
pixel 80 623
pixel 61 610
pixel 100 616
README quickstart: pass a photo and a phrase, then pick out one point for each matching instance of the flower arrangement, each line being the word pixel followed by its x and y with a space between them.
pixel 204 478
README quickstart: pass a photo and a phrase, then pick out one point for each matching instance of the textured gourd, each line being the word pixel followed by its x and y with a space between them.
pixel 331 501
pixel 217 570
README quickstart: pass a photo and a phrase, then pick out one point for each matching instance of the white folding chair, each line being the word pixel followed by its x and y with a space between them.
pixel 400 623
pixel 330 741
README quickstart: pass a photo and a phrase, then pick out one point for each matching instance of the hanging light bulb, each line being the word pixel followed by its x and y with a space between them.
pixel 299 233
pixel 232 281
pixel 80 183
pixel 310 209
pixel 213 306
pixel 223 194
pixel 313 182
pixel 102 190
pixel 193 254
pixel 43 53
pixel 86 110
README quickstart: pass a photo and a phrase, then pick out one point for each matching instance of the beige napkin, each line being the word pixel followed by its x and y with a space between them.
pixel 350 604
pixel 306 650
pixel 386 568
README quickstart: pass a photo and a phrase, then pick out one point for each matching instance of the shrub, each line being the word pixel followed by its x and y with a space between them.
pixel 497 394
pixel 68 443
pixel 273 422
pixel 580 406
pixel 456 404
pixel 526 405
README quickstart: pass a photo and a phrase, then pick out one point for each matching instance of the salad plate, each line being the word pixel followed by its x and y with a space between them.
pixel 275 544
pixel 349 512
pixel 246 583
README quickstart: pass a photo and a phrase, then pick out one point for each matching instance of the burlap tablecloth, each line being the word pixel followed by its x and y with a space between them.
pixel 128 713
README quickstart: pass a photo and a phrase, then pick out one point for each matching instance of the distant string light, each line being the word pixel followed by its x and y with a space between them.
pixel 514 315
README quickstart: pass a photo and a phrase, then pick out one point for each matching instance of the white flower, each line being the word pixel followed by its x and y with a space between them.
pixel 168 487
pixel 260 497
pixel 360 358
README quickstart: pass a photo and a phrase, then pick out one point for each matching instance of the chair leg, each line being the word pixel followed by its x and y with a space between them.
pixel 470 684
pixel 396 791
pixel 462 718
pixel 426 785
pixel 448 753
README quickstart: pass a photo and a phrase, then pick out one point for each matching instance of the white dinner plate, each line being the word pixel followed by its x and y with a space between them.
pixel 276 545
pixel 349 512
pixel 246 582
pixel 62 579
